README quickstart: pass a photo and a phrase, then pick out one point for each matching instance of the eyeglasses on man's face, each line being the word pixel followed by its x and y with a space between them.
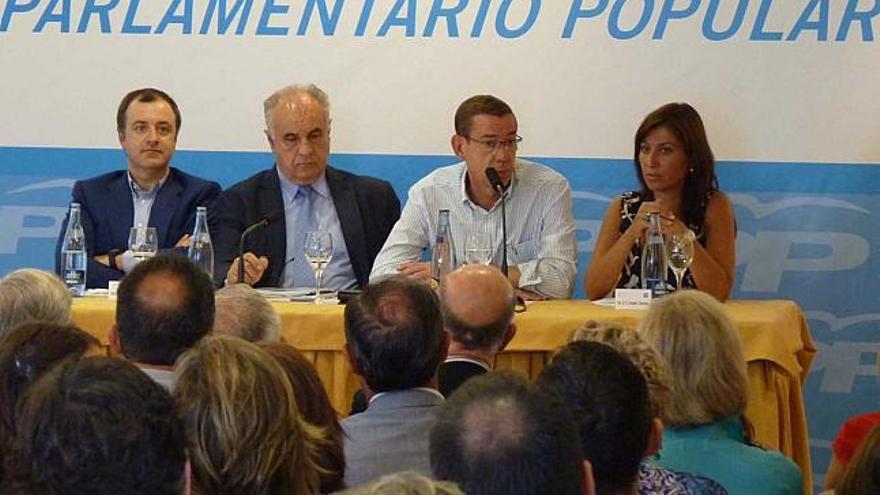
pixel 496 144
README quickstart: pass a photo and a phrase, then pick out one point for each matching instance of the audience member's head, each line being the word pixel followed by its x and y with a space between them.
pixel 164 306
pixel 862 475
pixel 242 312
pixel 692 332
pixel 394 334
pixel 477 303
pixel 315 408
pixel 246 434
pixel 32 295
pixel 631 344
pixel 497 434
pixel 406 483
pixel 100 426
pixel 609 399
pixel 26 353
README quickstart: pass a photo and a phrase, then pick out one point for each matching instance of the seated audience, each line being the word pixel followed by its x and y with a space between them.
pixel 163 307
pixel 240 311
pixel 477 304
pixel 99 426
pixel 628 342
pixel 315 408
pixel 246 433
pixel 32 295
pixel 394 343
pixel 862 475
pixel 25 354
pixel 706 434
pixel 406 483
pixel 499 435
pixel 676 170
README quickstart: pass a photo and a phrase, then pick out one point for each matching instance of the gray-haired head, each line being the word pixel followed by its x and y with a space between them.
pixel 309 89
pixel 28 295
pixel 240 311
pixel 406 483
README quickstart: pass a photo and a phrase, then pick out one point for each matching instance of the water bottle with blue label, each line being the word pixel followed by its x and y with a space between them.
pixel 74 259
pixel 201 250
pixel 654 258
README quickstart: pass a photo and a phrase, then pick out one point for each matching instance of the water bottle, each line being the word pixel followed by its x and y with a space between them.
pixel 443 253
pixel 201 251
pixel 74 259
pixel 654 258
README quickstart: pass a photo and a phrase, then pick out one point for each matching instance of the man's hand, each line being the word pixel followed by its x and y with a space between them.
pixel 420 270
pixel 254 268
pixel 184 241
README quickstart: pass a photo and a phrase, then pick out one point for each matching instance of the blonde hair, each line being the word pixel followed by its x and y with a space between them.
pixel 406 483
pixel 693 333
pixel 246 435
pixel 30 295
pixel 631 344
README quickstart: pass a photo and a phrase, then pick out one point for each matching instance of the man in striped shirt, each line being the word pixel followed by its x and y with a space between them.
pixel 540 228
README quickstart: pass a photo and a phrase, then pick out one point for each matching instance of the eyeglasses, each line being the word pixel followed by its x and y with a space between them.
pixel 495 144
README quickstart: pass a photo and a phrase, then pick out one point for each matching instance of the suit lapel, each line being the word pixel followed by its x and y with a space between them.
pixel 119 220
pixel 345 201
pixel 164 207
pixel 270 201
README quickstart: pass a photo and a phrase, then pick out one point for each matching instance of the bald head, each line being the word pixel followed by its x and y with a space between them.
pixel 477 304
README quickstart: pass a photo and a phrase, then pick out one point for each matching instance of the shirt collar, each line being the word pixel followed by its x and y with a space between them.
pixel 137 190
pixel 463 182
pixel 289 189
pixel 464 359
pixel 425 389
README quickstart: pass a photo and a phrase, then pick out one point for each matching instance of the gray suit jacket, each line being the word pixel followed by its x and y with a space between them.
pixel 390 436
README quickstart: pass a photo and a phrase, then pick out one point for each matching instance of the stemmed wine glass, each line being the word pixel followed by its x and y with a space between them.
pixel 142 242
pixel 478 249
pixel 318 251
pixel 679 253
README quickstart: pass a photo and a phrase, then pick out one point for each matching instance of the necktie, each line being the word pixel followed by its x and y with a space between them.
pixel 298 272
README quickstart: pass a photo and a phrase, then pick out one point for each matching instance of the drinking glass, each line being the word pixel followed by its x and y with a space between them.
pixel 478 249
pixel 679 253
pixel 318 251
pixel 142 242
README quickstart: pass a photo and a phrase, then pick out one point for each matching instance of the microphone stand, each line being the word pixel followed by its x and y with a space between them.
pixel 262 223
pixel 503 231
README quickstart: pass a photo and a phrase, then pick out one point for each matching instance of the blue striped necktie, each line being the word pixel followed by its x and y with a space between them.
pixel 298 272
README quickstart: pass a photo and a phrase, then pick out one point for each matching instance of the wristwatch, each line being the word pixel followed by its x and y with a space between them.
pixel 111 258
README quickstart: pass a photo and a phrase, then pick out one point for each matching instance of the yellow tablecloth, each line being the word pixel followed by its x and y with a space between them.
pixel 777 342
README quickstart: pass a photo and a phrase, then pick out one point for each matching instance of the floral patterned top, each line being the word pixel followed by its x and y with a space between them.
pixel 656 480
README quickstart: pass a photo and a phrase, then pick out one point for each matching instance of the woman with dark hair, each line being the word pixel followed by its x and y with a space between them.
pixel 315 407
pixel 26 353
pixel 676 171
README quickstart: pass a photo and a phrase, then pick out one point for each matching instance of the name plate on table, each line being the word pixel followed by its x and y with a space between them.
pixel 632 298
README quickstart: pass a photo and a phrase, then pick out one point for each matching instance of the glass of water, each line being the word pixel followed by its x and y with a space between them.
pixel 143 243
pixel 478 249
pixel 318 251
pixel 679 253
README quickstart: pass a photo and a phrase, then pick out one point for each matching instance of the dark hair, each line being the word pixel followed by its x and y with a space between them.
pixel 146 95
pixel 25 354
pixel 497 434
pixel 478 105
pixel 315 407
pixel 394 331
pixel 862 475
pixel 683 121
pixel 164 306
pixel 99 426
pixel 608 397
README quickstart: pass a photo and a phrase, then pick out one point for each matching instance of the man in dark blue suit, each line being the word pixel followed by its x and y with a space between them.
pixel 149 192
pixel 301 193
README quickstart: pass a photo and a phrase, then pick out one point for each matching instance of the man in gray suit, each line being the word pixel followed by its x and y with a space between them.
pixel 394 342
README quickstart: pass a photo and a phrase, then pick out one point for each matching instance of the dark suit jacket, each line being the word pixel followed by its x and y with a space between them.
pixel 367 210
pixel 108 214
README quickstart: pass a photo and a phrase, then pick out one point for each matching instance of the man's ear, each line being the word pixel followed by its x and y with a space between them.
pixel 508 336
pixel 589 487
pixel 115 343
pixel 444 347
pixel 269 138
pixel 655 437
pixel 121 136
pixel 187 478
pixel 352 361
pixel 457 143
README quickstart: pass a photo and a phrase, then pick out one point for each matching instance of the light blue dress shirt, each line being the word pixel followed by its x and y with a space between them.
pixel 339 274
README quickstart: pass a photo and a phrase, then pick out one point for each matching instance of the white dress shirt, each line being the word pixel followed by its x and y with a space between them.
pixel 540 227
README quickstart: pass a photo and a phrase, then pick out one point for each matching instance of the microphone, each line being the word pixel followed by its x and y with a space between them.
pixel 264 222
pixel 495 180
